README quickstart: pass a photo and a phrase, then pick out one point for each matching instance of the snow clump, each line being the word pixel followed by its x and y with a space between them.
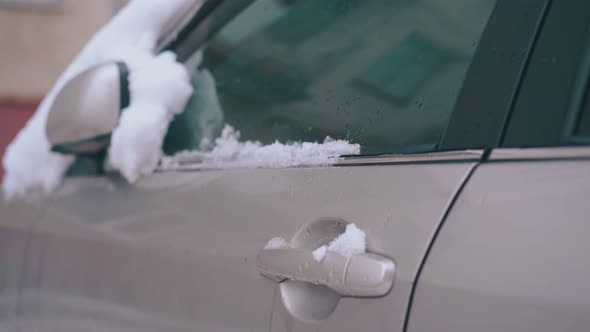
pixel 229 152
pixel 351 242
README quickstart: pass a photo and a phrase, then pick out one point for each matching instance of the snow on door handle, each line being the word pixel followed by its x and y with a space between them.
pixel 364 275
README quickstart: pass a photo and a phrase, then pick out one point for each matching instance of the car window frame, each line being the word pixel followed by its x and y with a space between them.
pixel 555 76
pixel 495 75
pixel 478 118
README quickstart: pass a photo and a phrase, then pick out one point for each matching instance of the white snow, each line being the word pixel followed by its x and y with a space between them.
pixel 277 243
pixel 159 90
pixel 30 167
pixel 229 153
pixel 320 253
pixel 351 242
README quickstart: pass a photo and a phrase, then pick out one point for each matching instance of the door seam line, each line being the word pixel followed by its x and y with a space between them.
pixel 444 218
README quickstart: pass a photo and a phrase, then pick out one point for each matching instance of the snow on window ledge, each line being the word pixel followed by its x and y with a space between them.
pixel 230 153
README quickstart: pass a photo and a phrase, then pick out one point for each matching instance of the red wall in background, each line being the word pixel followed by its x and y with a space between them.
pixel 13 116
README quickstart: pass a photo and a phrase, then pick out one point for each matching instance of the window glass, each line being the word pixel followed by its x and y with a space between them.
pixel 381 73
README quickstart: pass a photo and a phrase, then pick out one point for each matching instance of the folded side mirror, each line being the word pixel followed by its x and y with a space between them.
pixel 86 110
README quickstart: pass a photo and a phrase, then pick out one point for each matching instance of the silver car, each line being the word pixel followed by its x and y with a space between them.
pixel 473 183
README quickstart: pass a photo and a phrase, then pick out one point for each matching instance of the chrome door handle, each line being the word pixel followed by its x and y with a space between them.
pixel 364 275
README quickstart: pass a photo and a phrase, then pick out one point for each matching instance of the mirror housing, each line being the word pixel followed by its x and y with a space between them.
pixel 86 110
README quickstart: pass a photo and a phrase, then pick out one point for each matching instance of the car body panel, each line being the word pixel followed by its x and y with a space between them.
pixel 182 246
pixel 16 223
pixel 512 254
pixel 176 251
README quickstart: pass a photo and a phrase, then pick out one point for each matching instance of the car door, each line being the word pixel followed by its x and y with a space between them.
pixel 178 250
pixel 16 223
pixel 511 253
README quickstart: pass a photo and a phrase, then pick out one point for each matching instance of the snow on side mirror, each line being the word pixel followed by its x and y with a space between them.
pixel 86 110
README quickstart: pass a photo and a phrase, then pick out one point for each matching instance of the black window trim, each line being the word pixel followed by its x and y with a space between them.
pixel 579 96
pixel 208 20
pixel 533 126
pixel 495 75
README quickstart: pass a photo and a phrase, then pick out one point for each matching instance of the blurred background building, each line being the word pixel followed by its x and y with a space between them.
pixel 38 39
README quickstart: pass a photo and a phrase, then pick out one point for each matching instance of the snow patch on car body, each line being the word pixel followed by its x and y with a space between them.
pixel 351 242
pixel 277 243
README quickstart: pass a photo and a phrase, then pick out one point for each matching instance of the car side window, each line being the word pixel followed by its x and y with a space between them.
pixel 381 73
pixel 549 107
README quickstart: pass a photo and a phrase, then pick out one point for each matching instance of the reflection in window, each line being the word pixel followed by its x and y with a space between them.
pixel 403 70
pixel 382 73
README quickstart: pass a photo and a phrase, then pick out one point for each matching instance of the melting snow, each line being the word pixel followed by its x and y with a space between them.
pixel 351 242
pixel 320 253
pixel 277 243
pixel 229 152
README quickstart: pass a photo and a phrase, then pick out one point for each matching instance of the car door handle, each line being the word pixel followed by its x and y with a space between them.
pixel 364 275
